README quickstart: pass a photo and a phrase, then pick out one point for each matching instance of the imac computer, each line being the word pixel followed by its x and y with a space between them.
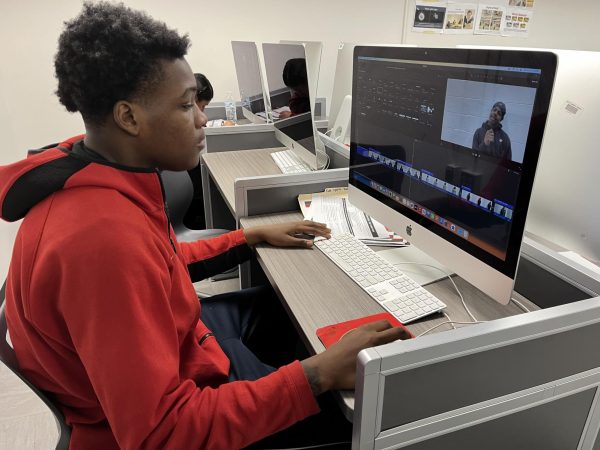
pixel 444 148
pixel 247 69
pixel 291 80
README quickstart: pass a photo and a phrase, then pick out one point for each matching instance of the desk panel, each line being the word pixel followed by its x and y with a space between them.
pixel 226 167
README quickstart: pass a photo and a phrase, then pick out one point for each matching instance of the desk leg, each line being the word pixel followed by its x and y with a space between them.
pixel 252 274
pixel 208 218
pixel 217 213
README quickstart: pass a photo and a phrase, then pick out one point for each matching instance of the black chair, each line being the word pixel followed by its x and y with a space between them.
pixel 8 357
pixel 179 192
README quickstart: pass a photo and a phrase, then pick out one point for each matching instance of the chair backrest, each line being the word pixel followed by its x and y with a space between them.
pixel 179 192
pixel 8 357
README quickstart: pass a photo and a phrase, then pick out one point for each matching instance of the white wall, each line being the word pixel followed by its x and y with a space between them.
pixel 30 115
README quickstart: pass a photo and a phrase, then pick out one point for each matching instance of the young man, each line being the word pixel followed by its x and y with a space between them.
pixel 100 306
pixel 490 138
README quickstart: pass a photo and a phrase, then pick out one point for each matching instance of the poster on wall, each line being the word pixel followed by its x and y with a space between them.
pixel 490 19
pixel 509 18
pixel 429 17
pixel 460 18
pixel 521 3
pixel 517 22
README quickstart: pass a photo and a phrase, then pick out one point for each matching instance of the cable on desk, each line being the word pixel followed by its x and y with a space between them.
pixel 450 322
pixel 450 278
pixel 519 304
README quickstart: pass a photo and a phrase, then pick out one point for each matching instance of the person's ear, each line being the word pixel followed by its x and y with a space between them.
pixel 125 116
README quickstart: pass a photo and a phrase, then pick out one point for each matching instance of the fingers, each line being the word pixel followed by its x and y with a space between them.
pixel 384 332
pixel 380 325
pixel 391 335
pixel 315 228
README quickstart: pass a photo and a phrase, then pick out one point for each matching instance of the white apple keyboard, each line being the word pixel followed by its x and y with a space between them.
pixel 289 162
pixel 385 283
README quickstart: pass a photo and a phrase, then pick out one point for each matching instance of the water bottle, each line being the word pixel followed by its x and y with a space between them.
pixel 230 108
pixel 245 101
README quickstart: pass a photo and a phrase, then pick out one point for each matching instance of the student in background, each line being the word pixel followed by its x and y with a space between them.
pixel 100 305
pixel 205 91
pixel 295 77
pixel 204 97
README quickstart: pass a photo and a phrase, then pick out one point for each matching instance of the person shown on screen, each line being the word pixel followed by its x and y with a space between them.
pixel 100 305
pixel 491 139
pixel 296 78
pixel 468 20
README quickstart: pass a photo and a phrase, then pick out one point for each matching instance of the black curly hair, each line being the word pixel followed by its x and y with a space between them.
pixel 294 73
pixel 108 53
pixel 205 90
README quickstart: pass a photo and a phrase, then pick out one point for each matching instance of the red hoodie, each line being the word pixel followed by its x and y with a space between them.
pixel 103 315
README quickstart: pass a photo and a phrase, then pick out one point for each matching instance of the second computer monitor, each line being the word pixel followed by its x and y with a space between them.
pixel 290 99
pixel 444 148
pixel 247 68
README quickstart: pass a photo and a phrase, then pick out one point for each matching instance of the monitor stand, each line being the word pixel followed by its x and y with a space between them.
pixel 420 273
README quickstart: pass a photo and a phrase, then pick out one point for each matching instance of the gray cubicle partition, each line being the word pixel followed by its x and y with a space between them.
pixel 279 193
pixel 548 278
pixel 242 137
pixel 523 382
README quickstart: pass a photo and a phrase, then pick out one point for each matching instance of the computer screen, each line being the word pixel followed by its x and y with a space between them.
pixel 290 99
pixel 341 96
pixel 247 69
pixel 444 147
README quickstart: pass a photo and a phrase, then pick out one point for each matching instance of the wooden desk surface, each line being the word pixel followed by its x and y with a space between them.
pixel 317 293
pixel 226 167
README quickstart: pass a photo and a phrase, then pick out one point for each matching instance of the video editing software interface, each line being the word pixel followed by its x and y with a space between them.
pixel 445 140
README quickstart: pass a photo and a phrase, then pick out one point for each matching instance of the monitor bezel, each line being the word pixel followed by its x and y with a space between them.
pixel 546 62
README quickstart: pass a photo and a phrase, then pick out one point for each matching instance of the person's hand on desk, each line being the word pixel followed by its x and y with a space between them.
pixel 286 234
pixel 335 368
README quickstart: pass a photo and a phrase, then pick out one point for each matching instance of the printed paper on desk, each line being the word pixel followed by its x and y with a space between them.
pixel 342 217
pixel 333 208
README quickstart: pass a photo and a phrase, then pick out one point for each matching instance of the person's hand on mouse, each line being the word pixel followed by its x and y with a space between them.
pixel 287 234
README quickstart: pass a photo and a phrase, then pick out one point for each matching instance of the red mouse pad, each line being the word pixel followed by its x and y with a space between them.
pixel 330 334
